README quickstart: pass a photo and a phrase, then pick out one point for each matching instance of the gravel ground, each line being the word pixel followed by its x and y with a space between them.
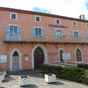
pixel 37 81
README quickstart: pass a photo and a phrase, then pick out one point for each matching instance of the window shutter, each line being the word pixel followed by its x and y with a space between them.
pixel 7 32
pixel 87 34
pixel 72 34
pixel 79 35
pixel 7 29
pixel 43 33
pixel 63 34
pixel 55 34
pixel 33 32
pixel 19 32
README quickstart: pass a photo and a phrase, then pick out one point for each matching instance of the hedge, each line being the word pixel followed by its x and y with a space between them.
pixel 85 66
pixel 69 73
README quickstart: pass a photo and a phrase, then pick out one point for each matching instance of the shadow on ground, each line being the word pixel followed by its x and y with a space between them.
pixel 30 86
pixel 7 79
pixel 56 83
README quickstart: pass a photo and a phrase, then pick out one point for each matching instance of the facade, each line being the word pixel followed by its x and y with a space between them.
pixel 29 39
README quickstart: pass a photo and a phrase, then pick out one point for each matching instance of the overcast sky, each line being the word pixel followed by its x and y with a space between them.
pixel 70 8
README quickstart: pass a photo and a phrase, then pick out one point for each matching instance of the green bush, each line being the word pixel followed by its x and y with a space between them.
pixel 85 66
pixel 69 73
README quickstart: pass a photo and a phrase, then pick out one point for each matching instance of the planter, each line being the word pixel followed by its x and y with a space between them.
pixel 24 80
pixel 50 78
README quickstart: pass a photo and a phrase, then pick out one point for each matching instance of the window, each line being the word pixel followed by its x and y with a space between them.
pixel 13 33
pixel 59 33
pixel 57 21
pixel 61 56
pixel 78 55
pixel 38 32
pixel 13 15
pixel 37 18
pixel 13 30
pixel 76 35
pixel 74 23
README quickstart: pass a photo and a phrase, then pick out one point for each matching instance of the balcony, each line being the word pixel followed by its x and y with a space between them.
pixel 46 39
pixel 50 39
pixel 13 38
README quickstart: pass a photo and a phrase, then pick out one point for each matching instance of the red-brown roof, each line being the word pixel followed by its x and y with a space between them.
pixel 39 13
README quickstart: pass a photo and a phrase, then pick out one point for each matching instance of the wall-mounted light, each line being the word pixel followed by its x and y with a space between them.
pixel 26 57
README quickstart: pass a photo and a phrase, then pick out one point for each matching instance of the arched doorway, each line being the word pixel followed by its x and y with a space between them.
pixel 15 61
pixel 61 56
pixel 38 57
pixel 78 55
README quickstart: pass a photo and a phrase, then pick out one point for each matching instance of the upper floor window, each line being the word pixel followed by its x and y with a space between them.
pixel 74 23
pixel 76 35
pixel 38 32
pixel 13 33
pixel 37 18
pixel 59 33
pixel 57 21
pixel 13 29
pixel 13 15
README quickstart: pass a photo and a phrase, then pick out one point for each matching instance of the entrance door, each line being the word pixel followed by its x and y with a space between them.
pixel 15 61
pixel 38 57
pixel 61 56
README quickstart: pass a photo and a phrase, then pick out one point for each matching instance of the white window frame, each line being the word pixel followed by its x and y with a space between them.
pixel 75 23
pixel 39 18
pixel 39 36
pixel 11 15
pixel 56 21
pixel 60 34
pixel 78 35
pixel 14 25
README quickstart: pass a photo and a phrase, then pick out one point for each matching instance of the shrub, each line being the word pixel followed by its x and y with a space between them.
pixel 69 73
pixel 85 66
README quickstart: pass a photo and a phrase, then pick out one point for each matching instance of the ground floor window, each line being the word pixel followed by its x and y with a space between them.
pixel 61 56
pixel 78 55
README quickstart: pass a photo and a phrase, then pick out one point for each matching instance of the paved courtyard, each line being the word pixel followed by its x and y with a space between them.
pixel 37 81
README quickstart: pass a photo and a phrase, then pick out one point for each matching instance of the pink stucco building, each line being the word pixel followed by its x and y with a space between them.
pixel 29 39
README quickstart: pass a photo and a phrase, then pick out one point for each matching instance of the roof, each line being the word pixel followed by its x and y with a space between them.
pixel 39 13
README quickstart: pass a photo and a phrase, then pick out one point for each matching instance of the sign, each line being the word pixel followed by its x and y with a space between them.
pixel 61 26
pixel 3 58
pixel 66 56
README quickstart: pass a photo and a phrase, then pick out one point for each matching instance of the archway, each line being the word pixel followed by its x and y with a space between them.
pixel 38 57
pixel 15 60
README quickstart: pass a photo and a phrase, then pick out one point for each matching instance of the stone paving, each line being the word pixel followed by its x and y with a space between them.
pixel 37 81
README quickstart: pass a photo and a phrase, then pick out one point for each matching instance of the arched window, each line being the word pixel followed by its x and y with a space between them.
pixel 78 55
pixel 61 56
pixel 15 54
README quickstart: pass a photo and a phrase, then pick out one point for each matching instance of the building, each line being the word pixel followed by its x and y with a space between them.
pixel 29 39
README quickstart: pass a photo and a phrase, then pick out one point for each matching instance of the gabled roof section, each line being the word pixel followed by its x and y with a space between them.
pixel 41 14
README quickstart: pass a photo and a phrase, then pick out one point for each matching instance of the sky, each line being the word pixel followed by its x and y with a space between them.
pixel 69 8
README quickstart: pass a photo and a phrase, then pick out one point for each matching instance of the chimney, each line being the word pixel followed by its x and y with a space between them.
pixel 82 17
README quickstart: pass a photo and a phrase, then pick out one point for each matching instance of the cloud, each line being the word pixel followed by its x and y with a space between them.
pixel 37 9
pixel 70 8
